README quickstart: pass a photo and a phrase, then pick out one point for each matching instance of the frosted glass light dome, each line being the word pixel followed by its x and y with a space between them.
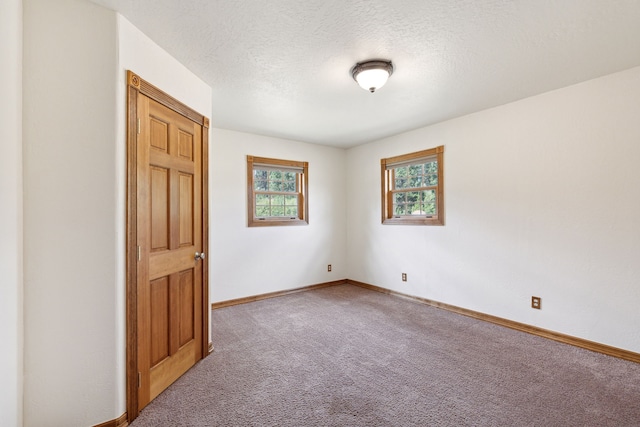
pixel 372 75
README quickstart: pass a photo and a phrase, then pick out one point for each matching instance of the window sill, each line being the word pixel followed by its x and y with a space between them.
pixel 413 221
pixel 276 222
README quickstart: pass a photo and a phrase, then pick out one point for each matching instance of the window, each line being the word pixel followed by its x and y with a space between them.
pixel 278 192
pixel 412 188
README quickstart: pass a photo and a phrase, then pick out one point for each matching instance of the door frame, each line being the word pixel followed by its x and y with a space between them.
pixel 136 86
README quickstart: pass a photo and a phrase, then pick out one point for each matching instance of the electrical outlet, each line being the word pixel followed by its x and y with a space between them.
pixel 536 302
pixel 404 277
pixel 329 267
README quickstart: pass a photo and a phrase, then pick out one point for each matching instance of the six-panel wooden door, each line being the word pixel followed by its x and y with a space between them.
pixel 169 233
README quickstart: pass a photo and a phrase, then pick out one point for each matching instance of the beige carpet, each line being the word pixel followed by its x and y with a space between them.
pixel 345 356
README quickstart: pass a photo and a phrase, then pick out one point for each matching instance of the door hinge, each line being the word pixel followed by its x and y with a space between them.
pixel 139 379
pixel 138 126
pixel 139 253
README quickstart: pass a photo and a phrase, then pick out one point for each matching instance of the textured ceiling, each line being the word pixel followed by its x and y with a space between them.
pixel 282 67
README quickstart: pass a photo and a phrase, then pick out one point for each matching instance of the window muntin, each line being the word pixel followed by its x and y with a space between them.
pixel 412 188
pixel 277 192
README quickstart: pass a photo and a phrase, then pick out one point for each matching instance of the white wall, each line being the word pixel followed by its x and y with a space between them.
pixel 76 55
pixel 70 239
pixel 11 323
pixel 257 260
pixel 542 198
pixel 140 54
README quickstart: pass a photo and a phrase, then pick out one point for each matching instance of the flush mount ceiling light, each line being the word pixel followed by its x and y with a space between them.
pixel 372 75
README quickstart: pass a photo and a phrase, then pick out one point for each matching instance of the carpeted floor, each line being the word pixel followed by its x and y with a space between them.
pixel 346 356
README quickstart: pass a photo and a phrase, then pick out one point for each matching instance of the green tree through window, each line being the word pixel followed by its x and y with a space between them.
pixel 277 191
pixel 412 188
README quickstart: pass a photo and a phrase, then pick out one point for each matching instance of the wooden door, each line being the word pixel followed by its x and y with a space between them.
pixel 169 235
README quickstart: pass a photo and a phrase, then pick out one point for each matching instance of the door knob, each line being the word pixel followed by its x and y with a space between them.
pixel 199 256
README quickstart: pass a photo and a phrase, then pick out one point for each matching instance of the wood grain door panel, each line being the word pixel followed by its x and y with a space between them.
pixel 170 228
pixel 167 305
